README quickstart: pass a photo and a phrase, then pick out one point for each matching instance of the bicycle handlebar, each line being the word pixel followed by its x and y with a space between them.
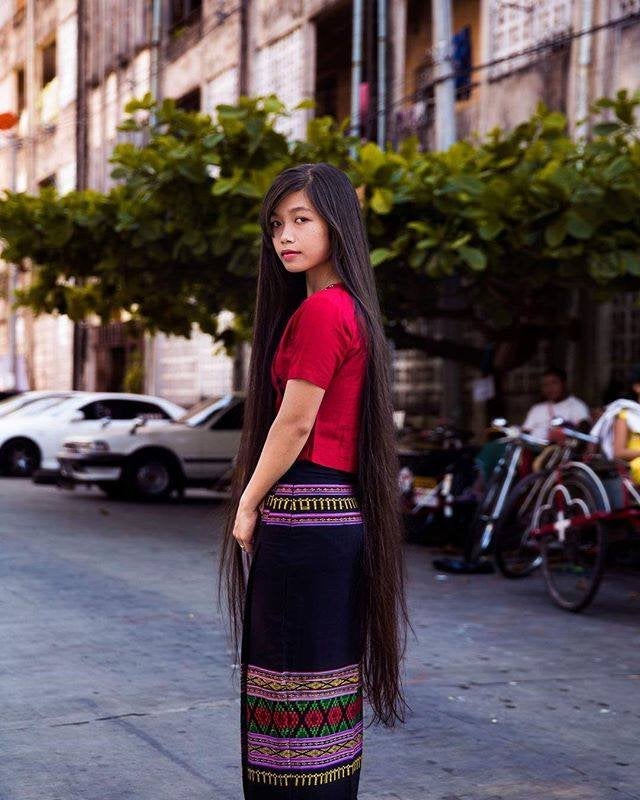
pixel 514 433
pixel 583 437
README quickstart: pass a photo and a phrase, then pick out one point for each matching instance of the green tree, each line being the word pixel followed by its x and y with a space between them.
pixel 522 218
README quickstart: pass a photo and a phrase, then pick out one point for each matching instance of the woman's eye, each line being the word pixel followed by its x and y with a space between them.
pixel 304 218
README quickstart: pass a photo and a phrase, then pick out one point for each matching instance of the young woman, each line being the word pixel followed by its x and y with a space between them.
pixel 320 620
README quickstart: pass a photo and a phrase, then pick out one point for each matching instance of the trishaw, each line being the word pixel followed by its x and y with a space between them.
pixel 582 507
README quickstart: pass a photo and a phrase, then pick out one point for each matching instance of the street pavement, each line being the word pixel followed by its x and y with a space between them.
pixel 116 681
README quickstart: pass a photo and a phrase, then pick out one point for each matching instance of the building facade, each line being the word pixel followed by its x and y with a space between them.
pixel 69 66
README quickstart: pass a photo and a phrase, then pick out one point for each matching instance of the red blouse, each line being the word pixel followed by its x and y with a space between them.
pixel 322 344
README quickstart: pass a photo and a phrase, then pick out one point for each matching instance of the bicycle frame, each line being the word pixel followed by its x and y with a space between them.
pixel 630 511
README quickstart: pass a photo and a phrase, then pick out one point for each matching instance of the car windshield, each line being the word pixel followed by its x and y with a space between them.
pixel 11 404
pixel 202 411
pixel 40 406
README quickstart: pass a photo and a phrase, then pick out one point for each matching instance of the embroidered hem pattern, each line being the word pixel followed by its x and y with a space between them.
pixel 303 728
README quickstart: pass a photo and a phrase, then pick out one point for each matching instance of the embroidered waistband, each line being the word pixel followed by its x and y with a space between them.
pixel 277 502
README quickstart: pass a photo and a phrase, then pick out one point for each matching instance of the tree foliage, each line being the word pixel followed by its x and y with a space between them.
pixel 520 218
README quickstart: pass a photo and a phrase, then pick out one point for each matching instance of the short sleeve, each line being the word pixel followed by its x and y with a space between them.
pixel 530 420
pixel 319 342
pixel 583 412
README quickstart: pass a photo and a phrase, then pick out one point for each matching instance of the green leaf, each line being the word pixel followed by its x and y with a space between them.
pixel 578 226
pixel 380 255
pixel 463 183
pixel 460 241
pixel 555 233
pixel 475 258
pixel 223 186
pixel 382 200
pixel 630 262
pixel 371 157
pixel 489 229
pixel 606 128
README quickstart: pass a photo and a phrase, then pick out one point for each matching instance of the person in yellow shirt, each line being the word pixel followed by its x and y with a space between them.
pixel 626 442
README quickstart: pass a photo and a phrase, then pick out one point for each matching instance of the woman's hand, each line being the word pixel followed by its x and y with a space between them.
pixel 244 526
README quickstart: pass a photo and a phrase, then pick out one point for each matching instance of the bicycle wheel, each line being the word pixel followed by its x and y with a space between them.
pixel 517 554
pixel 573 556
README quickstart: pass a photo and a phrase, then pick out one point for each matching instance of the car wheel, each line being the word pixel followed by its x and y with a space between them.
pixel 20 458
pixel 151 476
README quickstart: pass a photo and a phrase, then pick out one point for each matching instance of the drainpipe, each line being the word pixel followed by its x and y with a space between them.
pixel 356 69
pixel 156 41
pixel 584 64
pixel 589 312
pixel 445 130
pixel 382 72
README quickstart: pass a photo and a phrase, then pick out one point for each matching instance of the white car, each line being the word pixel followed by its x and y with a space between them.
pixel 150 460
pixel 30 437
pixel 22 399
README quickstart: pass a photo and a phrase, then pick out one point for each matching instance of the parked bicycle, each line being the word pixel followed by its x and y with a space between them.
pixel 504 477
pixel 517 553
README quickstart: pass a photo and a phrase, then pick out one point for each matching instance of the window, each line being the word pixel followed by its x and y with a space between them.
pixel 48 63
pixel 20 90
pixel 121 409
pixel 230 420
pixel 190 101
pixel 462 62
pixel 522 25
pixel 183 12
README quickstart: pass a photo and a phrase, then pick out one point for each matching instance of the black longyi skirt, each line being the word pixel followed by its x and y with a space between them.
pixel 301 680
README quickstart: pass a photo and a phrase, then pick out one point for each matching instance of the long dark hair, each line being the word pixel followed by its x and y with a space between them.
pixel 385 615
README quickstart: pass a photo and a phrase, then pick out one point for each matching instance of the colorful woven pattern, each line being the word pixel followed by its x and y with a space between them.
pixel 303 721
pixel 306 504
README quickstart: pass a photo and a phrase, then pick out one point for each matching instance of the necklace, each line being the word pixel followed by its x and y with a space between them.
pixel 337 283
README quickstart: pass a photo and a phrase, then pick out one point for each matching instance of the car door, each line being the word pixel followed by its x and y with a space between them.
pixel 218 442
pixel 69 419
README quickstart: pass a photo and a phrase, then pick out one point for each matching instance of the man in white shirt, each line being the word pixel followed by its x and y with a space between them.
pixel 557 403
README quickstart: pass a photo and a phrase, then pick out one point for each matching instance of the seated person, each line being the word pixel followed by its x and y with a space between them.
pixel 557 403
pixel 626 428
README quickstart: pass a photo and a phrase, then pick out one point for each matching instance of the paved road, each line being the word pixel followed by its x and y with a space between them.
pixel 116 681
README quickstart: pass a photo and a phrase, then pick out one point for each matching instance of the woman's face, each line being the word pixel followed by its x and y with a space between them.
pixel 297 227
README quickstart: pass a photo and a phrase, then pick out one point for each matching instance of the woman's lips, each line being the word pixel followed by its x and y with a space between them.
pixel 289 256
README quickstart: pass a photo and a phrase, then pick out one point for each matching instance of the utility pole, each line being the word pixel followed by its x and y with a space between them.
pixel 30 79
pixel 445 130
pixel 79 333
pixel 155 85
pixel 244 88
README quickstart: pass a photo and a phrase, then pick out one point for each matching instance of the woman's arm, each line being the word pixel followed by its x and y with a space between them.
pixel 287 435
pixel 620 438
